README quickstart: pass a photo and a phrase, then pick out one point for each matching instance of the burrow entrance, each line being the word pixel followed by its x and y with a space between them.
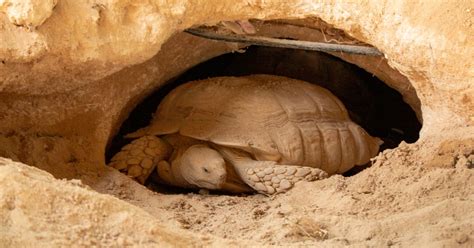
pixel 379 109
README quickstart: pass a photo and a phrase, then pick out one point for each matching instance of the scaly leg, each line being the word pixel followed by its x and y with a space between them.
pixel 139 158
pixel 268 177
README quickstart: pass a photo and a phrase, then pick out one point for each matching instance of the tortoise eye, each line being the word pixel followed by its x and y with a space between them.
pixel 206 170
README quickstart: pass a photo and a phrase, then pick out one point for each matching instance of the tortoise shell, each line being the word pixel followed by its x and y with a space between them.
pixel 273 118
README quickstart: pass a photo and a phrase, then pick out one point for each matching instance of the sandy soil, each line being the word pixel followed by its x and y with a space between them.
pixel 396 202
pixel 409 197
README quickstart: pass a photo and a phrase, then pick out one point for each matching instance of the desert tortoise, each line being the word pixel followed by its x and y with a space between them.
pixel 262 131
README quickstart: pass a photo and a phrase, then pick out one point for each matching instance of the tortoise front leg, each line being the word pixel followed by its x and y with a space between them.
pixel 139 158
pixel 268 177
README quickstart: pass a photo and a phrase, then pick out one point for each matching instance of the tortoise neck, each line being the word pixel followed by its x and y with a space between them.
pixel 171 174
pixel 177 170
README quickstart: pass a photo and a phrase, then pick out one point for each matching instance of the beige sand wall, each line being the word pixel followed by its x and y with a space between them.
pixel 71 71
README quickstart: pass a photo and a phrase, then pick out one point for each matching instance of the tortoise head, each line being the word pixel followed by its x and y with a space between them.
pixel 203 167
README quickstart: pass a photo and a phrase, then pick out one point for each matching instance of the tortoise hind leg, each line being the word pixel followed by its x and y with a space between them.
pixel 268 177
pixel 139 158
pixel 271 178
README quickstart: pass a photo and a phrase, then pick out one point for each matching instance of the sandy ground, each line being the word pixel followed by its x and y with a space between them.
pixel 401 200
pixel 396 202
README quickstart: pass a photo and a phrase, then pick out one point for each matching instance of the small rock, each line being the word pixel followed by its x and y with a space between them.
pixel 462 238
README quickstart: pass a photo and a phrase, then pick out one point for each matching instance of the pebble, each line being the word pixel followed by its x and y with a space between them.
pixel 462 238
pixel 290 171
pixel 281 176
pixel 267 178
pixel 285 184
pixel 268 183
pixel 301 172
pixel 147 163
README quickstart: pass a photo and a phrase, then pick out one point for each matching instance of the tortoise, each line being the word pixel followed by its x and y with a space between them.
pixel 258 133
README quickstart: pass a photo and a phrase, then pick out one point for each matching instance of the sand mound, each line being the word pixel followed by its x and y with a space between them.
pixel 38 210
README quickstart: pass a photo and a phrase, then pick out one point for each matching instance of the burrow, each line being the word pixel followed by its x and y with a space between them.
pixel 378 97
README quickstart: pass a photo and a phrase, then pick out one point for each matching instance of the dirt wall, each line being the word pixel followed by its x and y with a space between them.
pixel 71 71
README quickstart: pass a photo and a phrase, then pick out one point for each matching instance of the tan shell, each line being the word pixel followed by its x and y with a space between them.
pixel 274 118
